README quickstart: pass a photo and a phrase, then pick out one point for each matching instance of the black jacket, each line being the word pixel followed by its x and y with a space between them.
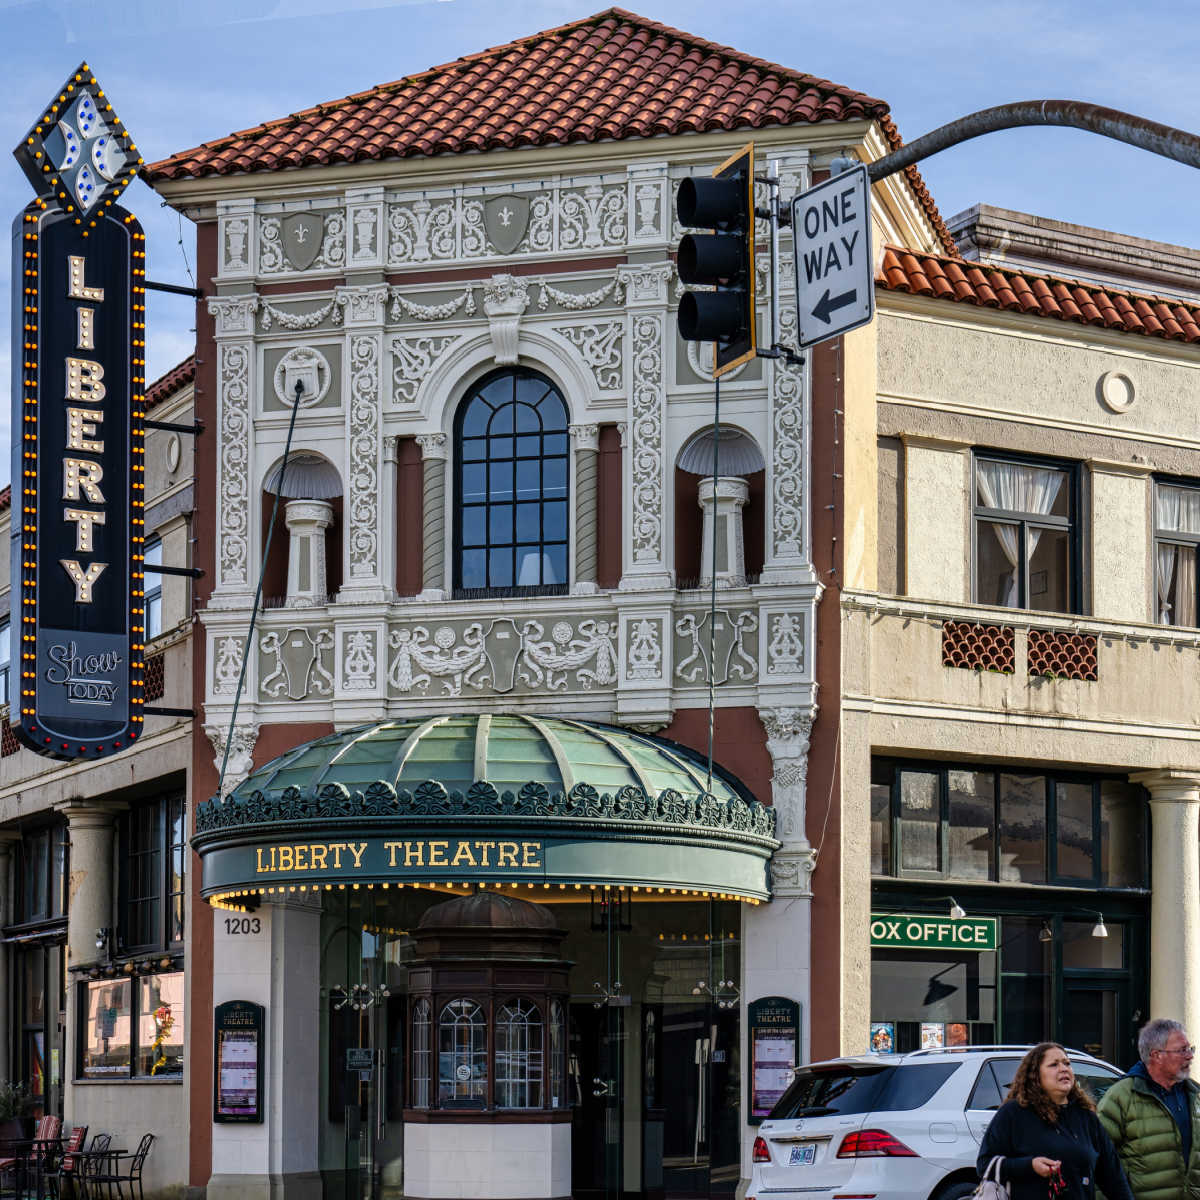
pixel 1078 1141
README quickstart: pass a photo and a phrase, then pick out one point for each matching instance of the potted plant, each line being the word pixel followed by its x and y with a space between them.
pixel 15 1103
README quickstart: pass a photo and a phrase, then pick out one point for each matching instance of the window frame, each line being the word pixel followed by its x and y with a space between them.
pixel 168 903
pixel 1051 779
pixel 1171 537
pixel 5 660
pixel 153 588
pixel 135 984
pixel 459 504
pixel 1024 521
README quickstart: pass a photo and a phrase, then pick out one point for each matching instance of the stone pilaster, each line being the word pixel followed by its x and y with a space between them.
pixel 1174 895
pixel 722 506
pixel 435 452
pixel 91 828
pixel 586 441
pixel 307 521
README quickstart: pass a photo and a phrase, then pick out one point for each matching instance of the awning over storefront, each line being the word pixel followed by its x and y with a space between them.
pixel 496 800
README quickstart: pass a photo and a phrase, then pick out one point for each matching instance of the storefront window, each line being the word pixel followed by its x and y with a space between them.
pixel 929 999
pixel 881 818
pixel 972 816
pixel 920 821
pixel 519 1055
pixel 118 1042
pixel 1074 844
pixel 1023 828
pixel 1121 841
pixel 1083 951
pixel 462 1055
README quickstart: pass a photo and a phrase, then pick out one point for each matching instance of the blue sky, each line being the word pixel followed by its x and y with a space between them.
pixel 182 73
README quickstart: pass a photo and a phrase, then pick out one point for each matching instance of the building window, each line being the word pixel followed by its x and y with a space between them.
pixel 5 661
pixel 132 1028
pixel 420 1053
pixel 1026 551
pixel 153 844
pixel 43 875
pixel 1176 538
pixel 462 1055
pixel 511 465
pixel 968 824
pixel 154 590
pixel 558 1055
pixel 519 1055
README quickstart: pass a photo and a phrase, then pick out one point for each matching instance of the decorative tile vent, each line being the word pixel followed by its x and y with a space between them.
pixel 1061 655
pixel 8 740
pixel 978 647
pixel 156 684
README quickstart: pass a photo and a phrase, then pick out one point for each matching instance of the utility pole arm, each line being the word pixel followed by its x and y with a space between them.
pixel 1076 114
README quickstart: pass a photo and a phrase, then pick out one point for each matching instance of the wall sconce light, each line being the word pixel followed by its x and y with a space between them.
pixel 957 912
pixel 1045 934
pixel 1098 930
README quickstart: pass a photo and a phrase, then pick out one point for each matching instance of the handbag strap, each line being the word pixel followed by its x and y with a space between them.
pixel 993 1170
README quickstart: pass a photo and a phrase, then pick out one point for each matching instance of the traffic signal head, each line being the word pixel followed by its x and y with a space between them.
pixel 723 259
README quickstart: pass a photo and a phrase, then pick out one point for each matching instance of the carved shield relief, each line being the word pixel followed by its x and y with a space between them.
pixel 506 218
pixel 302 235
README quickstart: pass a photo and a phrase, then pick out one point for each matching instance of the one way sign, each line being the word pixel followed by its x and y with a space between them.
pixel 831 229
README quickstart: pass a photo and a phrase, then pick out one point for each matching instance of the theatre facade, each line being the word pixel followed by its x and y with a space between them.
pixel 475 912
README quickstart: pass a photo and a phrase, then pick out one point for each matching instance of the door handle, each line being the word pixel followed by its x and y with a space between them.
pixel 603 1087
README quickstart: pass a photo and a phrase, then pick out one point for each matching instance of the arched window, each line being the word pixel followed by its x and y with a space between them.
pixel 511 460
pixel 462 1055
pixel 519 1055
pixel 420 1053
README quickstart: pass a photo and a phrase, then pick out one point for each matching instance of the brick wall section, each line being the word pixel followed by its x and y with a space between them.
pixel 978 647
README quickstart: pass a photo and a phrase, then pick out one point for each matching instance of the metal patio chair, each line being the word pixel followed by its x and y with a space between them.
pixel 111 1180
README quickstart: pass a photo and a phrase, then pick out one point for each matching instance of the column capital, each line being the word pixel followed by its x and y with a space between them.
pixel 1169 784
pixel 434 445
pixel 585 437
pixel 90 814
pixel 792 870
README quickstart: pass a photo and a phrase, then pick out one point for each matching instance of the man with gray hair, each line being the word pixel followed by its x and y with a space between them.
pixel 1153 1116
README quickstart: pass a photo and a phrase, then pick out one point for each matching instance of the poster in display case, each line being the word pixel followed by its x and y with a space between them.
pixel 238 1062
pixel 774 1052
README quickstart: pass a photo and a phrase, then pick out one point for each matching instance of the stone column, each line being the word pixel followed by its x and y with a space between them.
pixel 435 452
pixel 1174 895
pixel 723 505
pixel 307 521
pixel 586 440
pixel 91 828
pixel 10 842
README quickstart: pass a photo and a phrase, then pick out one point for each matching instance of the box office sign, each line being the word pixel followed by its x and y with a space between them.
pixel 78 468
pixel 897 931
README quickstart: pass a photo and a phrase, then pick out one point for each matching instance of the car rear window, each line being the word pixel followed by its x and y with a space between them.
pixel 851 1089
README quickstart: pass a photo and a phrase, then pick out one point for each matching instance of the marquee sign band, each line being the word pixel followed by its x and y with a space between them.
pixel 78 536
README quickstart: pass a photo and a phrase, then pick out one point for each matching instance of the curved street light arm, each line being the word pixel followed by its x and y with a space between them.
pixel 1149 135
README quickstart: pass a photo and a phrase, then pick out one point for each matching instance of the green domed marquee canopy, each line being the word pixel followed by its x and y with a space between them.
pixel 493 799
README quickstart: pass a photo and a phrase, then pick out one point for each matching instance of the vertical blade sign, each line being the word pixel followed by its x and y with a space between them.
pixel 78 469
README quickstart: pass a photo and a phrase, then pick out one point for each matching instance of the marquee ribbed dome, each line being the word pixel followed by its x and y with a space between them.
pixel 506 750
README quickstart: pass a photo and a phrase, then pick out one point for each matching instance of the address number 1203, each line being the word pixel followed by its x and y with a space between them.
pixel 243 925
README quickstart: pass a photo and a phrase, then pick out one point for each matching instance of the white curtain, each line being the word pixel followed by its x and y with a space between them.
pixel 1014 487
pixel 1176 510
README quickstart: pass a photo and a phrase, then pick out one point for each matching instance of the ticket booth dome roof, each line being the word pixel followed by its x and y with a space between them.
pixel 487 910
pixel 507 751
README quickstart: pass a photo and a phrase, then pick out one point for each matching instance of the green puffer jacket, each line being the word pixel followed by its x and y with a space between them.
pixel 1148 1140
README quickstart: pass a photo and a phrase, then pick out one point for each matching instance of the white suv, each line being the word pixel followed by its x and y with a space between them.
pixel 891 1127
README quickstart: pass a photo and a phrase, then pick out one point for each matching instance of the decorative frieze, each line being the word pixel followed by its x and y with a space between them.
pixel 233 465
pixel 413 357
pixel 731 641
pixel 601 345
pixel 295 664
pixel 789 463
pixel 365 444
pixel 301 241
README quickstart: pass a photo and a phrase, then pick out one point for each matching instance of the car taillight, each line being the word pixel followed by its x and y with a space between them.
pixel 873 1143
pixel 760 1152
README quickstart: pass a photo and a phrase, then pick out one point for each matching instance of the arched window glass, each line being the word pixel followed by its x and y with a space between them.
pixel 558 1055
pixel 519 1055
pixel 462 1055
pixel 420 1053
pixel 511 511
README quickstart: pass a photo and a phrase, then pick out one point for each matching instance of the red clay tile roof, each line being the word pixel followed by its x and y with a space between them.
pixel 166 386
pixel 610 76
pixel 945 278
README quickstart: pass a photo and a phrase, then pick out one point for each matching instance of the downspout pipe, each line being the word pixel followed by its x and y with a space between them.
pixel 1074 114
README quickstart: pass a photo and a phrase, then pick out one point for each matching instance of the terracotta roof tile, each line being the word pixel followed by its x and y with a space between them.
pixel 1042 295
pixel 610 76
pixel 174 380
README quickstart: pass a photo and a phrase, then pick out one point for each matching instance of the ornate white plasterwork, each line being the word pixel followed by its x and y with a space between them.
pixel 785 643
pixel 360 659
pixel 413 356
pixel 308 366
pixel 226 663
pixel 578 301
pixel 505 298
pixel 645 653
pixel 365 445
pixel 788 731
pixel 647 402
pixel 788 478
pixel 602 346
pixel 287 320
pixel 236 433
pixel 272 258
pixel 403 306
pixel 297 663
pixel 734 647
pixel 362 305
pixel 233 315
pixel 241 752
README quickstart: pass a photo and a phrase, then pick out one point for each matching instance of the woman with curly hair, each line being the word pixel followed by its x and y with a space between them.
pixel 1049 1137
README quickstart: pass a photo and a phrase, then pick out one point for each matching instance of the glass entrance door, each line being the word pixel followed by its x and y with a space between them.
pixel 599 1029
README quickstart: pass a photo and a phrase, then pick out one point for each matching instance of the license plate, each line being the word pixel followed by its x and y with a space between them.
pixel 803 1156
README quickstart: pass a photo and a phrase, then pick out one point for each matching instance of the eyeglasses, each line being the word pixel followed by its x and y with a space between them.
pixel 1181 1050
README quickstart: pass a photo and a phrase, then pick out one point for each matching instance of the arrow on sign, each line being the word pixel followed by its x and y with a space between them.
pixel 825 306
